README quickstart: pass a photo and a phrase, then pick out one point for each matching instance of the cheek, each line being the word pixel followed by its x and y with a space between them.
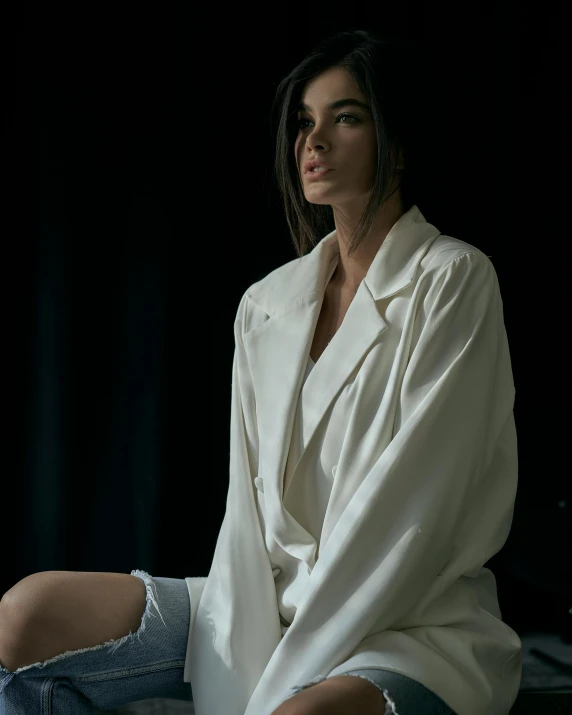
pixel 367 151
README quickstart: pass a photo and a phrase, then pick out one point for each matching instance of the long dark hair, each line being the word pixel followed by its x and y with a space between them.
pixel 387 71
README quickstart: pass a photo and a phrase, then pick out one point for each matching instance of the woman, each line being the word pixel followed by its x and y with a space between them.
pixel 373 461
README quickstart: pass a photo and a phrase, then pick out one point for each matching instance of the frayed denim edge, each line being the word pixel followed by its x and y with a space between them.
pixel 390 706
pixel 6 675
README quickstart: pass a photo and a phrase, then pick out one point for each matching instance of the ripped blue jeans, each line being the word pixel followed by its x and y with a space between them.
pixel 150 664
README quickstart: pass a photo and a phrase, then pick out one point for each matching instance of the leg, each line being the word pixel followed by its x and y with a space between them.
pixel 339 695
pixel 400 694
pixel 51 612
pixel 141 658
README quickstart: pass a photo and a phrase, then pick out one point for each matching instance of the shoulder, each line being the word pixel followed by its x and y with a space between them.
pixel 457 263
pixel 445 250
pixel 261 295
pixel 277 278
pixel 296 280
pixel 258 300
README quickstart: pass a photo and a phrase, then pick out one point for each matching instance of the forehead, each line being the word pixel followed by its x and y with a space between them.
pixel 330 85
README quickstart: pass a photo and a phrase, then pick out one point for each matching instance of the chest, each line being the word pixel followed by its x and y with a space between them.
pixel 332 313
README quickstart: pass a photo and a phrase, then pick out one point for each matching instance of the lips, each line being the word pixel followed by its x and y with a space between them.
pixel 311 177
pixel 315 166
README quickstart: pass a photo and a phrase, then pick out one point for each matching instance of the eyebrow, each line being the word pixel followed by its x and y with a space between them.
pixel 347 102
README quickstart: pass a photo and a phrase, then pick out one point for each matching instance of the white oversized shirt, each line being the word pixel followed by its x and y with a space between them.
pixel 365 497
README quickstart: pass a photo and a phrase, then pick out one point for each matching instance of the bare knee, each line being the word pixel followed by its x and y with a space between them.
pixel 11 628
pixel 52 612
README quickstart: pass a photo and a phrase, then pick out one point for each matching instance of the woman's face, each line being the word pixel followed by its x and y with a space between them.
pixel 336 129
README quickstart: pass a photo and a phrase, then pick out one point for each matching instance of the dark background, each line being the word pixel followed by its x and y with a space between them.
pixel 138 207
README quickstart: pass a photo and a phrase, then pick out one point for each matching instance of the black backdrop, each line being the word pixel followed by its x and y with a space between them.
pixel 138 207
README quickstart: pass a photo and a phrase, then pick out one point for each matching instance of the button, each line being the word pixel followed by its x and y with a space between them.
pixel 259 484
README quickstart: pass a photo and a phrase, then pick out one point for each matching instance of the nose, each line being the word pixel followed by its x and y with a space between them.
pixel 317 141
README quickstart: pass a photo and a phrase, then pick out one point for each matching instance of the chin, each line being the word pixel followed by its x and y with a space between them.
pixel 319 197
pixel 318 202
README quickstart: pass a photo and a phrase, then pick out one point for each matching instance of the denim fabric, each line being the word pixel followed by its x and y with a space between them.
pixel 150 664
pixel 146 664
pixel 403 695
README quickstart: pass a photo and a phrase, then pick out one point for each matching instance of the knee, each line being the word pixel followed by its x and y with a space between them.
pixel 14 624
pixel 26 611
pixel 52 612
pixel 24 600
pixel 28 596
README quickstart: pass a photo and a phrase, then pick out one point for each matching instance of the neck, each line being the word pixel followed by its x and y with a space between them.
pixel 351 270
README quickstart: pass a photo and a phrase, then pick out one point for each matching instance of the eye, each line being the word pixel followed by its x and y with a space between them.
pixel 344 118
pixel 347 119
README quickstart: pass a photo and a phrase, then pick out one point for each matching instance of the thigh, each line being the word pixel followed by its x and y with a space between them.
pixel 51 612
pixel 148 663
pixel 408 696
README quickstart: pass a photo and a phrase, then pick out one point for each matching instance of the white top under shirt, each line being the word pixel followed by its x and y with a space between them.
pixel 306 499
